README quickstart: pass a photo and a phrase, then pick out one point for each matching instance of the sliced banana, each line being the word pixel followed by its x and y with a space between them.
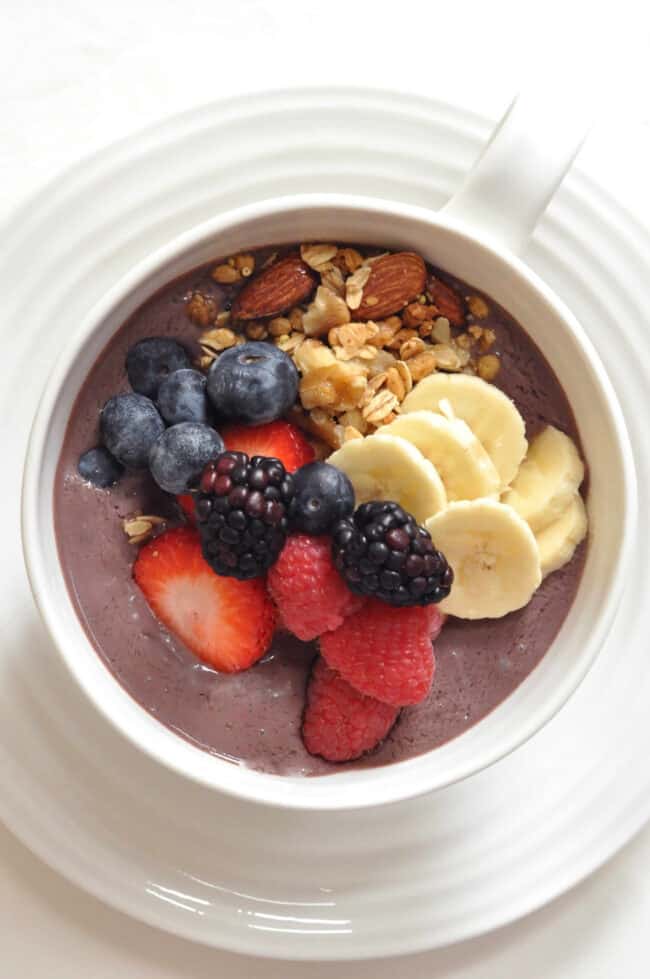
pixel 558 541
pixel 547 479
pixel 465 468
pixel 494 557
pixel 386 467
pixel 491 415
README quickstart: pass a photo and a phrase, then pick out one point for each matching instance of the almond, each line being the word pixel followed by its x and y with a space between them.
pixel 276 289
pixel 394 281
pixel 449 302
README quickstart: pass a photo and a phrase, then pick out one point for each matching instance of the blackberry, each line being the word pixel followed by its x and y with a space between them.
pixel 241 512
pixel 382 551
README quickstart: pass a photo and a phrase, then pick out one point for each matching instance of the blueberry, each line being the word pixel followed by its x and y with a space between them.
pixel 253 383
pixel 323 495
pixel 179 456
pixel 130 424
pixel 149 361
pixel 182 397
pixel 98 467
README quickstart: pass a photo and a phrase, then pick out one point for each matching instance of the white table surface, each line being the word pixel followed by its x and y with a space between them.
pixel 77 74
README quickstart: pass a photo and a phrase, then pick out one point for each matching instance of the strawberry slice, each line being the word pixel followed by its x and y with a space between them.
pixel 225 622
pixel 186 503
pixel 279 439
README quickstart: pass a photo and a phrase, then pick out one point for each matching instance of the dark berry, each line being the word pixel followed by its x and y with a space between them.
pixel 322 496
pixel 98 467
pixel 381 551
pixel 130 424
pixel 252 384
pixel 178 457
pixel 149 361
pixel 243 527
pixel 182 397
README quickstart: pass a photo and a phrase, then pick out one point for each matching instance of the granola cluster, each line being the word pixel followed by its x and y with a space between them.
pixel 354 372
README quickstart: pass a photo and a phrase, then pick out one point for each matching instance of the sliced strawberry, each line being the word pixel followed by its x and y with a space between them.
pixel 279 439
pixel 186 503
pixel 225 622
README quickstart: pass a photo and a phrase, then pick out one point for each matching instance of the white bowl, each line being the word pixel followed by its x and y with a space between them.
pixel 611 503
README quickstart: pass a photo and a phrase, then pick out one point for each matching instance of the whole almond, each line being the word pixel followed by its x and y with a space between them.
pixel 395 280
pixel 449 302
pixel 276 289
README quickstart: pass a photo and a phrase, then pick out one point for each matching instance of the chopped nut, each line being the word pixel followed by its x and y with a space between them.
pixel 447 359
pixel 478 307
pixel 414 314
pixel 475 331
pixel 465 341
pixel 398 380
pixel 354 286
pixel 214 341
pixel 488 367
pixel 441 331
pixel 401 337
pixel 379 407
pixel 201 309
pixel 422 365
pixel 350 432
pixel 313 355
pixel 386 330
pixel 326 311
pixel 324 427
pixel 280 326
pixel 488 339
pixel 204 361
pixel 295 318
pixel 256 331
pixel 226 274
pixel 290 344
pixel 245 264
pixel 411 347
pixel 424 329
pixel 317 256
pixel 332 278
pixel 337 386
pixel 141 527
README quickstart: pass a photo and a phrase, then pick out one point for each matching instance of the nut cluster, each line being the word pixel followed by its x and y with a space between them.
pixel 356 370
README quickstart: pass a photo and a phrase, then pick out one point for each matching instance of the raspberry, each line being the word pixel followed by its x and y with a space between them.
pixel 308 590
pixel 340 723
pixel 384 652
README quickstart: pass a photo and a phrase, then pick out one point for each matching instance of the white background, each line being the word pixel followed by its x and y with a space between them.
pixel 77 74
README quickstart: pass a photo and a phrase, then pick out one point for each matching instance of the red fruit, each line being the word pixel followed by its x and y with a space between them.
pixel 225 622
pixel 384 652
pixel 186 503
pixel 310 593
pixel 279 439
pixel 436 621
pixel 340 723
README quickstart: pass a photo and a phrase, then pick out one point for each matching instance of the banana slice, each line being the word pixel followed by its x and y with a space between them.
pixel 547 479
pixel 465 468
pixel 386 467
pixel 494 557
pixel 558 541
pixel 491 415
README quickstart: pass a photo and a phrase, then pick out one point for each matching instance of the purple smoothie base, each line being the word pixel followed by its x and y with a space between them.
pixel 253 718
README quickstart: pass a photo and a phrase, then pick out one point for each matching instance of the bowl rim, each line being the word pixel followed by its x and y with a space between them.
pixel 363 787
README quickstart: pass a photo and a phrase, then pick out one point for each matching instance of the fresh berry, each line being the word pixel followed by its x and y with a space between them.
pixel 382 551
pixel 308 590
pixel 278 439
pixel 149 361
pixel 228 624
pixel 97 466
pixel 178 457
pixel 130 424
pixel 241 511
pixel 339 723
pixel 253 383
pixel 323 495
pixel 187 505
pixel 182 397
pixel 384 652
pixel 436 621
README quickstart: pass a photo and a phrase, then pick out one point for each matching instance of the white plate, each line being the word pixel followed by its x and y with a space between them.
pixel 373 883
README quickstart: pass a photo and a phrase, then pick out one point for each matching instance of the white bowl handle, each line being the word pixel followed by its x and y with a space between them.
pixel 531 149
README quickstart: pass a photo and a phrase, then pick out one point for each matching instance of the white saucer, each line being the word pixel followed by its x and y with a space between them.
pixel 412 876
